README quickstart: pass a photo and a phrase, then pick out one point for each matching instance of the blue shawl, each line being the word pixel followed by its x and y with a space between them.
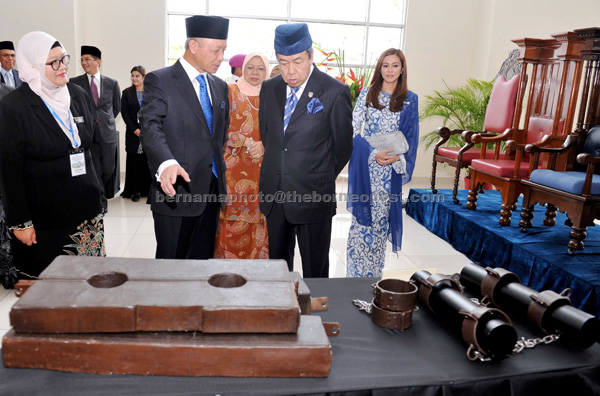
pixel 359 184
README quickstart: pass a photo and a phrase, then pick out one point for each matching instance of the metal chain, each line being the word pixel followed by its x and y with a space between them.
pixel 524 343
pixel 363 306
pixel 472 353
pixel 520 345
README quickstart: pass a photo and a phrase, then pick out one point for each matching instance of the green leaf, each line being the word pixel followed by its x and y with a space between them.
pixel 457 108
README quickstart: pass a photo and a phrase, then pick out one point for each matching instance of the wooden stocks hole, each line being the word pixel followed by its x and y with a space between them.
pixel 107 280
pixel 227 280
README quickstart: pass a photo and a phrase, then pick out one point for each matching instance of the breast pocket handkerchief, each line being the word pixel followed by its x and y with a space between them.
pixel 314 106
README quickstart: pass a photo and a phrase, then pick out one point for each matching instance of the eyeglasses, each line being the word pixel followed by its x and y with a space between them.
pixel 56 63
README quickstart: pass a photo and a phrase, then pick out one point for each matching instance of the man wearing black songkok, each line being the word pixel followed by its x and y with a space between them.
pixel 184 120
pixel 106 99
pixel 8 75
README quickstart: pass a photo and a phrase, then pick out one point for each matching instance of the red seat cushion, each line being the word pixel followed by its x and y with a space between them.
pixel 502 168
pixel 469 155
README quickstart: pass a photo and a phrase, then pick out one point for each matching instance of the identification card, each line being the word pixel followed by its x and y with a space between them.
pixel 77 158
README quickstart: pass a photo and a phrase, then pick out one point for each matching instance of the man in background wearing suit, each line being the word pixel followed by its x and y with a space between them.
pixel 305 119
pixel 184 120
pixel 8 75
pixel 5 90
pixel 106 97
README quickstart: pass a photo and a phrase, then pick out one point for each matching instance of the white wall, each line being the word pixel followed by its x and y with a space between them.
pixel 440 46
pixel 448 40
pixel 53 17
pixel 128 32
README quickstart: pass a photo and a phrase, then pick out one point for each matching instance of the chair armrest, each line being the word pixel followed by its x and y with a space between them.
pixel 518 148
pixel 444 133
pixel 485 138
pixel 538 148
pixel 467 135
pixel 512 145
pixel 585 158
pixel 591 161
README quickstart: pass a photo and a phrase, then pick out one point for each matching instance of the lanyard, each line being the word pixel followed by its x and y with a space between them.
pixel 70 128
pixel 139 99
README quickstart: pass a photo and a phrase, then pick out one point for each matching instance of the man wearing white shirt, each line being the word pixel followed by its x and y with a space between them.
pixel 105 96
pixel 8 75
pixel 184 120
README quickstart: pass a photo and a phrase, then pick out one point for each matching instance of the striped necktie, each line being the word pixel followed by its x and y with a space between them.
pixel 290 105
pixel 207 110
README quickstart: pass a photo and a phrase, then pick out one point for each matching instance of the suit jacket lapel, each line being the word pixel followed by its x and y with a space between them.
pixel 280 94
pixel 41 111
pixel 311 86
pixel 88 89
pixel 102 87
pixel 184 85
pixel 217 99
pixel 133 99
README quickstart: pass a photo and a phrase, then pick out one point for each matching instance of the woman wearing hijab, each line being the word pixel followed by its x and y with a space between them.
pixel 242 230
pixel 137 173
pixel 49 187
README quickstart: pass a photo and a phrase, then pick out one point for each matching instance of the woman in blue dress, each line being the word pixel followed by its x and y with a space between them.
pixel 376 176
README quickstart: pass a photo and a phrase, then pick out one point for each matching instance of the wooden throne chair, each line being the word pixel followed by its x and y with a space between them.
pixel 552 97
pixel 575 191
pixel 499 116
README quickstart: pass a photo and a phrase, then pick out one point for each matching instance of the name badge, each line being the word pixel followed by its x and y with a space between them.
pixel 78 120
pixel 77 158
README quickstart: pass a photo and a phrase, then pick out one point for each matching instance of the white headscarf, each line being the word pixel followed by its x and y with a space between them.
pixel 32 53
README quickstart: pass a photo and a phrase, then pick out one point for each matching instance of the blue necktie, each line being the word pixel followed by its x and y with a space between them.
pixel 207 110
pixel 290 105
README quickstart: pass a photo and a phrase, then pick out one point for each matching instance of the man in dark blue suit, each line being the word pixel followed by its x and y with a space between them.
pixel 184 120
pixel 8 75
pixel 305 120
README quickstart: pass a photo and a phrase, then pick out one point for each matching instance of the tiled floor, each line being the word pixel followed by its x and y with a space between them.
pixel 130 233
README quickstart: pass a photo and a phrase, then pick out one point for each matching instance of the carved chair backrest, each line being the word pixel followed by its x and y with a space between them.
pixel 589 107
pixel 554 67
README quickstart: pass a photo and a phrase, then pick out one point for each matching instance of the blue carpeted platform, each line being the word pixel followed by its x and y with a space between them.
pixel 539 257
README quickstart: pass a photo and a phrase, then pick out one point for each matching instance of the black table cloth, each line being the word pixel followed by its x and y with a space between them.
pixel 427 359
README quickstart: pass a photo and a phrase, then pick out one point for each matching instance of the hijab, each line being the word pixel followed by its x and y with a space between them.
pixel 245 87
pixel 32 53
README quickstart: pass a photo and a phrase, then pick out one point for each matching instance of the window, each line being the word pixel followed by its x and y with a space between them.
pixel 362 29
